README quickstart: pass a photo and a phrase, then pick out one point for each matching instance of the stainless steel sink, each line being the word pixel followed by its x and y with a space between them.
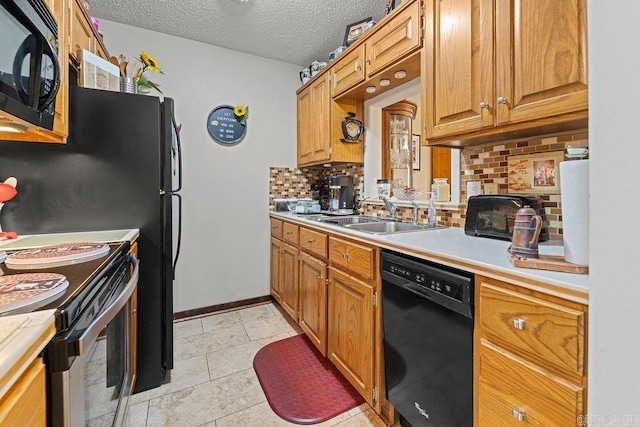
pixel 374 225
pixel 349 220
pixel 390 227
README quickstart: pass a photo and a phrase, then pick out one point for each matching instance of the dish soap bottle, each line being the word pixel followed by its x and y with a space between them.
pixel 432 219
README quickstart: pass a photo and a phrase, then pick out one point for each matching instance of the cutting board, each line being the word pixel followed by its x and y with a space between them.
pixel 548 262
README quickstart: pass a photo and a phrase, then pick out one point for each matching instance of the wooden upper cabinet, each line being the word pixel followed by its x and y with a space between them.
pixel 399 37
pixel 305 138
pixel 314 121
pixel 321 118
pixel 59 9
pixel 81 31
pixel 460 89
pixel 511 64
pixel 348 71
pixel 541 58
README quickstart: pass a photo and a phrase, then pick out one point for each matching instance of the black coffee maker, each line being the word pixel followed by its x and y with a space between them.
pixel 320 192
pixel 341 195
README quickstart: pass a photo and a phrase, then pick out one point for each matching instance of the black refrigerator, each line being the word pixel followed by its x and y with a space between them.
pixel 121 168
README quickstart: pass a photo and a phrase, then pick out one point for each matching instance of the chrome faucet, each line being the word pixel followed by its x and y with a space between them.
pixel 415 211
pixel 390 207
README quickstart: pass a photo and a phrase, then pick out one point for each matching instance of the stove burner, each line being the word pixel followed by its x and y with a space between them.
pixel 56 255
pixel 20 291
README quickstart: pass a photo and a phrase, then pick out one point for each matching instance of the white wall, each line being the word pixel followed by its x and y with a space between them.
pixel 225 243
pixel 614 297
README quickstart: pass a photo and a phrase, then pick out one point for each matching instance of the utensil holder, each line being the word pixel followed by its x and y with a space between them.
pixel 128 85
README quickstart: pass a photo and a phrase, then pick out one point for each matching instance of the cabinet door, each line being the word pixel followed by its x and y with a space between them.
pixel 289 280
pixel 313 300
pixel 348 71
pixel 541 51
pixel 399 37
pixel 350 328
pixel 305 127
pixel 321 118
pixel 459 68
pixel 24 404
pixel 276 247
pixel 81 32
pixel 59 8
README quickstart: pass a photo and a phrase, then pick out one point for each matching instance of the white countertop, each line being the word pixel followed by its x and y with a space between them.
pixel 98 236
pixel 18 333
pixel 474 254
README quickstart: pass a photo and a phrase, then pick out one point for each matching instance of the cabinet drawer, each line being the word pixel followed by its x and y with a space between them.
pixel 354 257
pixel 399 37
pixel 348 71
pixel 290 233
pixel 541 328
pixel 508 383
pixel 313 242
pixel 276 228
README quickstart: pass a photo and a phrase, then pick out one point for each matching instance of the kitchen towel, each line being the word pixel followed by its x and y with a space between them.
pixel 574 196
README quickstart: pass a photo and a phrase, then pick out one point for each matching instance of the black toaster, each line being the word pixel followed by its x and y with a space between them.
pixel 493 215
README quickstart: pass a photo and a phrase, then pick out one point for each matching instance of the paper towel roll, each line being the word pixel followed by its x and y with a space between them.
pixel 574 195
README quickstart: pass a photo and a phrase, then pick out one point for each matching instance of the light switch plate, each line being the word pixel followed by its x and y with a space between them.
pixel 491 188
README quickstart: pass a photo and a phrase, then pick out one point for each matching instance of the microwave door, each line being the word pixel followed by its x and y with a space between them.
pixel 36 82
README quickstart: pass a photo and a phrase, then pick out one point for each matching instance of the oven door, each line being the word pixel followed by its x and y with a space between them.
pixel 95 386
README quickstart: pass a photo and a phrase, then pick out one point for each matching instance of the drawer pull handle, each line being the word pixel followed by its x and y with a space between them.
pixel 310 241
pixel 518 323
pixel 345 256
pixel 288 232
pixel 518 414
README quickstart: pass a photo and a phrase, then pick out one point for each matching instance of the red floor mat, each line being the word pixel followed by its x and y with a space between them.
pixel 301 385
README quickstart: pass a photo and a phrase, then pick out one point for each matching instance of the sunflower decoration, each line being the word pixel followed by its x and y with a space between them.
pixel 242 114
pixel 148 63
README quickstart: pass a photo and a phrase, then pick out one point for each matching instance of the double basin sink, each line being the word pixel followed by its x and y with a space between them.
pixel 374 225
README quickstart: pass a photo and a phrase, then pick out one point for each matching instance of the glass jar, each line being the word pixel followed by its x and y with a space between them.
pixel 384 188
pixel 442 190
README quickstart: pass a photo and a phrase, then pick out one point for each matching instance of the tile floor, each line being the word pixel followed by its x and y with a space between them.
pixel 213 383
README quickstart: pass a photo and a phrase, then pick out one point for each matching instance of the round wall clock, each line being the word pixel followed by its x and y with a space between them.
pixel 351 128
pixel 224 126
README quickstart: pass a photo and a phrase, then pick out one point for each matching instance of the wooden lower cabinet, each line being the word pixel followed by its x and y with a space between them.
pixel 313 300
pixel 25 403
pixel 515 392
pixel 289 279
pixel 276 248
pixel 351 319
pixel 530 357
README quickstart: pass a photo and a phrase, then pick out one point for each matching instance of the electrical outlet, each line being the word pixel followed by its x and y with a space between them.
pixel 490 188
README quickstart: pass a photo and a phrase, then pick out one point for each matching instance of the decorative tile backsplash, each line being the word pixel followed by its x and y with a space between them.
pixel 296 183
pixel 487 164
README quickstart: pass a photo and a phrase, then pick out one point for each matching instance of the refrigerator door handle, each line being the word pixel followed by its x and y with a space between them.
pixel 175 260
pixel 179 154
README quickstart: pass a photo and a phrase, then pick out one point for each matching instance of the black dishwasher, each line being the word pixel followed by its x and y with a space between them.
pixel 428 340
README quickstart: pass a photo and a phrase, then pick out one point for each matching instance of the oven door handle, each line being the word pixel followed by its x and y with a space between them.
pixel 91 333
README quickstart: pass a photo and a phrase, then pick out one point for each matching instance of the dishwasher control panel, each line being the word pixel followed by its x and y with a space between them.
pixel 419 275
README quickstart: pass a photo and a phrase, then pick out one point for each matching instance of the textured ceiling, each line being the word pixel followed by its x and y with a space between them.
pixel 292 31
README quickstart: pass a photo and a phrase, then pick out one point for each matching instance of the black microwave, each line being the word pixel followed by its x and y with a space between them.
pixel 29 67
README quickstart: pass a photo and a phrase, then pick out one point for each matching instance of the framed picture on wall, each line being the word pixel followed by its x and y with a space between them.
pixel 354 31
pixel 535 173
pixel 390 4
pixel 415 152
